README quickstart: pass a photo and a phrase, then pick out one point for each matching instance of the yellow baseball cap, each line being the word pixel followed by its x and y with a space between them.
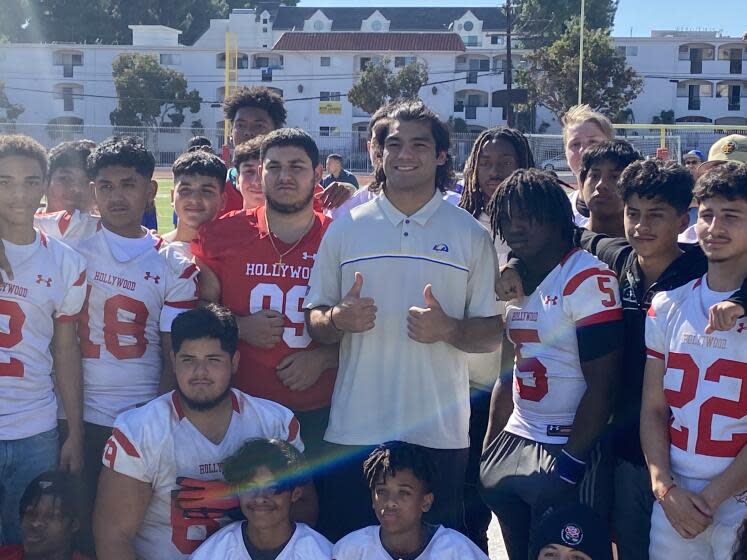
pixel 728 148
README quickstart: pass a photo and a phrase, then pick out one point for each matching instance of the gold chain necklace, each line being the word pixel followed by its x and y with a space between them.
pixel 272 241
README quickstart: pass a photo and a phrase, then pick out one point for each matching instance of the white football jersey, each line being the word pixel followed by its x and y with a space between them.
pixel 446 544
pixel 157 444
pixel 49 283
pixel 128 305
pixel 705 382
pixel 548 381
pixel 68 225
pixel 228 544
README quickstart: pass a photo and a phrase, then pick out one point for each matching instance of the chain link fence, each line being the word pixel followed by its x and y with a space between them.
pixel 167 144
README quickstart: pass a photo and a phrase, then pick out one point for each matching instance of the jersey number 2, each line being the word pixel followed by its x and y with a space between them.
pixel 16 319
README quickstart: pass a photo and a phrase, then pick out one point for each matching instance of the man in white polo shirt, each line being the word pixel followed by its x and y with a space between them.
pixel 405 284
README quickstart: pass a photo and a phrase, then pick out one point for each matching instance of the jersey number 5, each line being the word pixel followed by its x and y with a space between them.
pixel 529 365
pixel 714 406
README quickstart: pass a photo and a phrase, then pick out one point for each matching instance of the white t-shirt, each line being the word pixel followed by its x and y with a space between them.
pixel 228 544
pixel 704 381
pixel 49 284
pixel 157 444
pixel 579 219
pixel 390 387
pixel 68 225
pixel 130 302
pixel 579 291
pixel 446 544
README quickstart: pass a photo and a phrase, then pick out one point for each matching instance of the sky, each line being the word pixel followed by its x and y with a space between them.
pixel 729 16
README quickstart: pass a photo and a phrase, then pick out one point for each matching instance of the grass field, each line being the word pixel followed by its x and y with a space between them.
pixel 163 205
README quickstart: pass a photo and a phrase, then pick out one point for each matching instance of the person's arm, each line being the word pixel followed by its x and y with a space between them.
pixel 69 384
pixel 613 251
pixel 501 399
pixel 121 503
pixel 208 283
pixel 354 314
pixel 300 370
pixel 731 482
pixel 688 513
pixel 723 316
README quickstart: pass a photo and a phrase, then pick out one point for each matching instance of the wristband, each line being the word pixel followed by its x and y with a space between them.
pixel 332 320
pixel 660 497
pixel 568 468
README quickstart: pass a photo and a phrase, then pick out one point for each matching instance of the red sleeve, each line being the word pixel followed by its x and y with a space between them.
pixel 11 552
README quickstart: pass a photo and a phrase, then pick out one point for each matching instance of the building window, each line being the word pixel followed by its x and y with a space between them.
pixel 264 21
pixel 329 131
pixel 170 59
pixel 471 40
pixel 468 26
pixel 325 61
pixel 266 74
pixel 401 61
pixel 497 40
pixel 68 61
pixel 376 26
pixel 67 98
pixel 318 25
pixel 329 96
pixel 261 62
pixel 264 30
pixel 365 61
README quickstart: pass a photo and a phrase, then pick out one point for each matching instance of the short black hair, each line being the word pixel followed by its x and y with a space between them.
pixel 473 199
pixel 211 321
pixel 127 151
pixel 337 157
pixel 290 137
pixel 70 154
pixel 200 162
pixel 22 145
pixel 199 142
pixel 248 150
pixel 60 484
pixel 280 457
pixel 393 456
pixel 619 152
pixel 536 192
pixel 728 180
pixel 258 97
pixel 669 182
pixel 415 110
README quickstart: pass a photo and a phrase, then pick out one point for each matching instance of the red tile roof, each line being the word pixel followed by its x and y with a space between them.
pixel 356 41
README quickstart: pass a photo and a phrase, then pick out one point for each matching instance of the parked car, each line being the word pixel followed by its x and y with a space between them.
pixel 558 163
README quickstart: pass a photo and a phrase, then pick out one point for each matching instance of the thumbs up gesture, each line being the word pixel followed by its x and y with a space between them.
pixel 429 324
pixel 354 313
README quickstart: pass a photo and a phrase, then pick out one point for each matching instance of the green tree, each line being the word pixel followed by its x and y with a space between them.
pixel 9 112
pixel 539 23
pixel 551 76
pixel 664 117
pixel 378 84
pixel 149 94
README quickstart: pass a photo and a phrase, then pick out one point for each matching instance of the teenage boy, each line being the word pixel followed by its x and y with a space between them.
pixel 257 263
pixel 572 532
pixel 543 450
pixel 51 519
pixel 136 286
pixel 403 354
pixel 198 196
pixel 268 477
pixel 38 309
pixel 246 162
pixel 401 478
pixel 693 423
pixel 161 493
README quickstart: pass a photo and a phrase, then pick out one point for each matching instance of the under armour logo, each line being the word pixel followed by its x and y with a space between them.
pixel 308 256
pixel 41 280
pixel 154 278
pixel 740 328
pixel 551 300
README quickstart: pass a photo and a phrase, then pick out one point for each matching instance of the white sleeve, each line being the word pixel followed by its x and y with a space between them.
pixel 74 266
pixel 181 287
pixel 481 299
pixel 325 283
pixel 124 452
pixel 656 335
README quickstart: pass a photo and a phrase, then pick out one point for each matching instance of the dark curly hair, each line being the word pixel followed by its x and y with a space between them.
pixel 279 457
pixel 247 150
pixel 539 194
pixel 22 145
pixel 258 97
pixel 727 179
pixel 127 151
pixel 393 456
pixel 473 200
pixel 200 162
pixel 70 154
pixel 654 178
pixel 414 110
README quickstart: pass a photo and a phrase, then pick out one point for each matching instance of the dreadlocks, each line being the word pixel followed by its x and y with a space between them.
pixel 473 199
pixel 539 194
pixel 393 456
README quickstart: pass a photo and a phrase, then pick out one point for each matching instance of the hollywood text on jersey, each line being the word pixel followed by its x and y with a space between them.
pixel 278 270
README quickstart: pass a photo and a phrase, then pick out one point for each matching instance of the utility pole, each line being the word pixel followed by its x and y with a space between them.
pixel 581 54
pixel 508 69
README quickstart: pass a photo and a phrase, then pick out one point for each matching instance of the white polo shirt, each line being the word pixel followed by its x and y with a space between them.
pixel 388 386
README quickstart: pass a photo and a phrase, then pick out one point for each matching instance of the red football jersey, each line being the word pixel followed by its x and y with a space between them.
pixel 237 248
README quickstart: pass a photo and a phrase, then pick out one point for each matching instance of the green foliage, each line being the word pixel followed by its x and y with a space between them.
pixel 457 124
pixel 9 112
pixel 551 77
pixel 541 22
pixel 665 117
pixel 378 84
pixel 149 94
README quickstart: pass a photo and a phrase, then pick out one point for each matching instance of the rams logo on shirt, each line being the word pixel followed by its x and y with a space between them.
pixel 441 247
